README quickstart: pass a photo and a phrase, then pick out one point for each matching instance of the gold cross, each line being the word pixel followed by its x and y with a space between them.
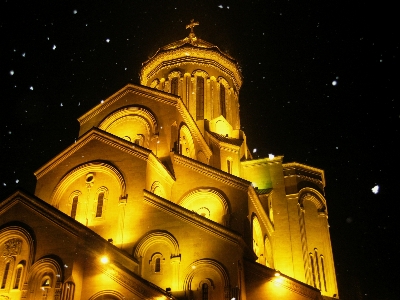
pixel 191 25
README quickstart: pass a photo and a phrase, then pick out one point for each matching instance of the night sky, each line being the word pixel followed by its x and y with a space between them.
pixel 319 88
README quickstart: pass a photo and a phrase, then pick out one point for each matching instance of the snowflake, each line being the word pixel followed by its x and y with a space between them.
pixel 375 189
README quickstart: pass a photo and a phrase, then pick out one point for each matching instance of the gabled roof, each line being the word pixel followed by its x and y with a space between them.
pixel 156 95
pixel 257 272
pixel 211 172
pixel 141 90
pixel 110 139
pixel 89 239
pixel 94 134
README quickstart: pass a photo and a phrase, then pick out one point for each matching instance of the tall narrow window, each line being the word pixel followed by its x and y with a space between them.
pixel 229 166
pixel 174 86
pixel 204 290
pixel 17 278
pixel 222 100
pixel 157 267
pixel 200 98
pixel 323 271
pixel 317 267
pixel 313 269
pixel 100 201
pixel 5 275
pixel 74 206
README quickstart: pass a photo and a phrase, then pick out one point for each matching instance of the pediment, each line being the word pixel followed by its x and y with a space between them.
pixel 129 95
pixel 93 143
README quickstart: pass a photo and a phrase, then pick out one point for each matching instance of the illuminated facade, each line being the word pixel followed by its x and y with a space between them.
pixel 160 198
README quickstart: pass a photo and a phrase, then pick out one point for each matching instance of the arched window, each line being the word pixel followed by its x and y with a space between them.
pixel 174 86
pixel 186 144
pixel 100 203
pixel 17 278
pixel 5 275
pixel 157 267
pixel 45 287
pixel 156 263
pixel 258 241
pixel 74 206
pixel 204 291
pixel 200 98
pixel 222 100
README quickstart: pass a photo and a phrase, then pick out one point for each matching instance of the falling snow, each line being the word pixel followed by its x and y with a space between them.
pixel 375 189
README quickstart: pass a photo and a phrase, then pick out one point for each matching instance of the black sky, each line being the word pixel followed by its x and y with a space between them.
pixel 290 52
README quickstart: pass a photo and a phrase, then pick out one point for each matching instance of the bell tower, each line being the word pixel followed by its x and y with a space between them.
pixel 207 80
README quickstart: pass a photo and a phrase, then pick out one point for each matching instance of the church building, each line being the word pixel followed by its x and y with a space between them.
pixel 160 198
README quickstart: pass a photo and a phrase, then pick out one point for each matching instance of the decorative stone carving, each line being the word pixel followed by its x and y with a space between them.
pixel 11 248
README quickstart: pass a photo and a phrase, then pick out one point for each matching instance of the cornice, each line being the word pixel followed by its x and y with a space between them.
pixel 224 145
pixel 161 169
pixel 307 178
pixel 306 167
pixel 312 195
pixel 138 286
pixel 61 220
pixel 261 161
pixel 44 209
pixel 129 88
pixel 260 210
pixel 190 54
pixel 283 281
pixel 99 135
pixel 193 218
pixel 211 172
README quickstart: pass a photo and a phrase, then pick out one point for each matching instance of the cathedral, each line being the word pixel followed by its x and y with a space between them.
pixel 160 198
